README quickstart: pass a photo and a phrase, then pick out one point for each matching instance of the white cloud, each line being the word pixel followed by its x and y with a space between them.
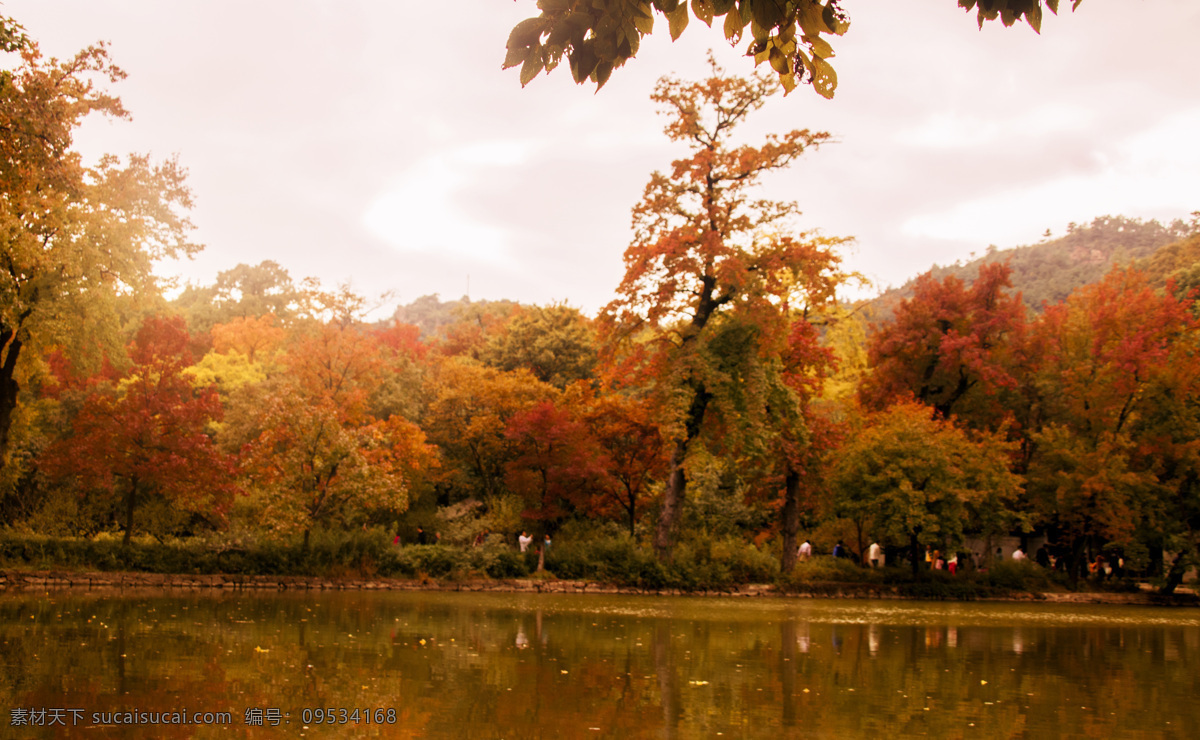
pixel 954 130
pixel 1151 172
pixel 423 210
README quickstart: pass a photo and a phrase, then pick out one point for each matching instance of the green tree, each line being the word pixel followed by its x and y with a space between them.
pixel 711 268
pixel 74 236
pixel 244 292
pixel 597 36
pixel 556 343
pixel 920 478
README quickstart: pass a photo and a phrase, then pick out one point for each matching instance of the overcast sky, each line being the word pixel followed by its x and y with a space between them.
pixel 378 141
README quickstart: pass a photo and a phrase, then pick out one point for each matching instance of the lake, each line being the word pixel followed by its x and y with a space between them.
pixel 444 664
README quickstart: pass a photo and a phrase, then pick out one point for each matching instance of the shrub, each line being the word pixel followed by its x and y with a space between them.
pixel 824 569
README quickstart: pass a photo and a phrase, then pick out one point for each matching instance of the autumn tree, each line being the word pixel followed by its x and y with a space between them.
pixel 143 440
pixel 708 259
pixel 401 388
pixel 74 236
pixel 626 428
pixel 805 436
pixel 792 36
pixel 312 467
pixel 953 347
pixel 919 477
pixel 1110 354
pixel 557 466
pixel 319 451
pixel 471 406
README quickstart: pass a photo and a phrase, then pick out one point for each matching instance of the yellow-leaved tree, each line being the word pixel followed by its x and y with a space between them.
pixel 73 236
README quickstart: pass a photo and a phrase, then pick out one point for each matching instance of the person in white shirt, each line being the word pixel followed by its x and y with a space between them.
pixel 805 551
pixel 874 554
pixel 524 540
pixel 1018 554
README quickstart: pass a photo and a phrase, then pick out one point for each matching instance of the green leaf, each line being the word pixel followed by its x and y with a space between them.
pixel 602 73
pixel 820 47
pixel 643 20
pixel 529 70
pixel 703 10
pixel 733 27
pixel 526 33
pixel 583 62
pixel 824 78
pixel 516 55
pixel 1034 17
pixel 759 31
pixel 779 62
pixel 836 20
pixel 678 20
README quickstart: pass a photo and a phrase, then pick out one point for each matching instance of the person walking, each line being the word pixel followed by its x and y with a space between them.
pixel 874 554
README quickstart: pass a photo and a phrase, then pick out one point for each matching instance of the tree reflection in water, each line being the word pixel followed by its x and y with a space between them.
pixel 514 666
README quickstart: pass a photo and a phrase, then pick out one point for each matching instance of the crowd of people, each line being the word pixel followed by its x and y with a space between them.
pixel 1098 568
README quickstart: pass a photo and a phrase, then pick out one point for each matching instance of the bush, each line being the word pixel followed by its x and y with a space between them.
pixel 825 569
pixel 1016 575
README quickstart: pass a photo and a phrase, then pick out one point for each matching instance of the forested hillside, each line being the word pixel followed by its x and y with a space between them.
pixel 1047 272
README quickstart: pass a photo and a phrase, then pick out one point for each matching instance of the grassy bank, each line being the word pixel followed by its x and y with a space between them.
pixel 702 564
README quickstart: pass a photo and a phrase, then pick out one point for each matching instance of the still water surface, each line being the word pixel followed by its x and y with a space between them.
pixel 433 664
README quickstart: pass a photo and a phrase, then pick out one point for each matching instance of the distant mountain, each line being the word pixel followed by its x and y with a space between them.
pixel 431 314
pixel 1047 272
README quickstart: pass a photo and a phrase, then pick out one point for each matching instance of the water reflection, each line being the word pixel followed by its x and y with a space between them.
pixel 517 666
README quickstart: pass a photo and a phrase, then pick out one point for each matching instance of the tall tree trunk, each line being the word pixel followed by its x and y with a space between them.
pixel 130 502
pixel 668 520
pixel 664 536
pixel 913 545
pixel 791 518
pixel 9 388
pixel 631 509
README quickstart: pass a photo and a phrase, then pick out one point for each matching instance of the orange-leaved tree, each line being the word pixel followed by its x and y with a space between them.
pixel 1116 362
pixel 707 252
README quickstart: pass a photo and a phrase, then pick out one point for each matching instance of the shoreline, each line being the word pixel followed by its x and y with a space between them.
pixel 21 581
